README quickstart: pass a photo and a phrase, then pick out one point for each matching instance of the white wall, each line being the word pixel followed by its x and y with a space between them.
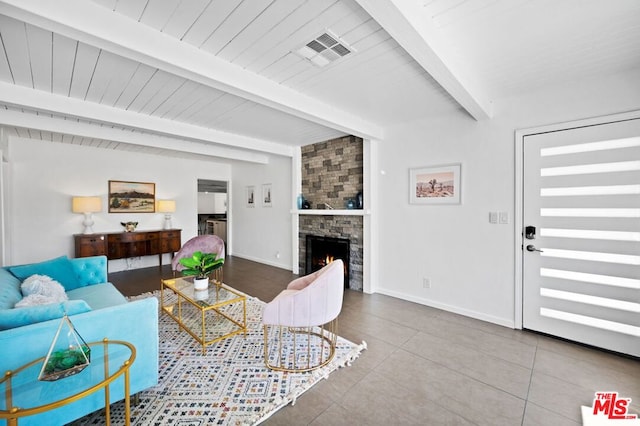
pixel 469 261
pixel 45 175
pixel 263 233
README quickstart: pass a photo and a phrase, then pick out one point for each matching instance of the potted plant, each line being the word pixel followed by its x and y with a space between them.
pixel 201 265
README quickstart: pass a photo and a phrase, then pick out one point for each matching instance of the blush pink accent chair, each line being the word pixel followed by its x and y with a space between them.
pixel 203 243
pixel 300 324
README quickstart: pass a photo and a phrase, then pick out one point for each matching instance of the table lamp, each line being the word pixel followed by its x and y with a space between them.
pixel 167 207
pixel 87 206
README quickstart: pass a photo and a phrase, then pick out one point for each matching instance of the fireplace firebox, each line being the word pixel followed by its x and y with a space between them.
pixel 322 250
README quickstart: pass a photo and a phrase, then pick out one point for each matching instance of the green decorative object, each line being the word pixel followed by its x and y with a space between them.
pixel 68 354
pixel 201 264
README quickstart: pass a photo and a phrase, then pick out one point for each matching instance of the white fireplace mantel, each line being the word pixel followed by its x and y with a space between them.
pixel 332 212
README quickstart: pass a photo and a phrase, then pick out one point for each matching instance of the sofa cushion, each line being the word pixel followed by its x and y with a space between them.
pixel 9 289
pixel 59 269
pixel 98 296
pixel 18 317
pixel 44 286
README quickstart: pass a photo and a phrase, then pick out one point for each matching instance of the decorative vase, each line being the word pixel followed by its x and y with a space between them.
pixel 359 201
pixel 300 201
pixel 201 283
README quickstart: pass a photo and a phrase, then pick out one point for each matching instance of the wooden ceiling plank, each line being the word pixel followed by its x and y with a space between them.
pixel 201 104
pixel 367 47
pixel 184 16
pixel 235 23
pixel 5 70
pixel 373 48
pixel 131 8
pixel 125 71
pixel 40 101
pixel 108 4
pixel 40 49
pixel 162 93
pixel 408 24
pixel 304 32
pixel 106 69
pixel 208 21
pixel 15 44
pixel 279 33
pixel 157 13
pixel 89 23
pixel 275 13
pixel 84 65
pixel 140 77
pixel 80 133
pixel 179 99
pixel 64 53
pixel 201 97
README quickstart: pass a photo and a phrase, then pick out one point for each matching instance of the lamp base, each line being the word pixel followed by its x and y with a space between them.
pixel 167 221
pixel 88 223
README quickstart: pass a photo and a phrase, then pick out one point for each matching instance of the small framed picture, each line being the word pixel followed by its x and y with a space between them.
pixel 266 195
pixel 435 185
pixel 251 196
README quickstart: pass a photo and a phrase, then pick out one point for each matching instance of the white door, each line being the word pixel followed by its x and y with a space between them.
pixel 581 267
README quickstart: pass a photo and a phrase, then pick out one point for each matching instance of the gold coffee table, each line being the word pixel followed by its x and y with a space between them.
pixel 207 315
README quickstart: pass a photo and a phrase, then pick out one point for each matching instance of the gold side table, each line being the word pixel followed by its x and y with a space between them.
pixel 110 359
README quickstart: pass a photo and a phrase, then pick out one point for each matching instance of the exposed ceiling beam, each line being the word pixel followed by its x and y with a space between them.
pixel 92 24
pixel 55 104
pixel 407 22
pixel 86 130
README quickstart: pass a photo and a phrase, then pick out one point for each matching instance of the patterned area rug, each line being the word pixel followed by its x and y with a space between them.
pixel 229 385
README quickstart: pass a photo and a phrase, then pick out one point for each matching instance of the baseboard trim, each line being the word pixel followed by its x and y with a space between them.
pixel 266 262
pixel 449 308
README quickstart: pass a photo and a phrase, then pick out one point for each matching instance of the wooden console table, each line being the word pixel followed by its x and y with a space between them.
pixel 121 245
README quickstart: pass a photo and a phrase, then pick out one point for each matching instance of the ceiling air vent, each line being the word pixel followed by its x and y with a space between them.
pixel 324 49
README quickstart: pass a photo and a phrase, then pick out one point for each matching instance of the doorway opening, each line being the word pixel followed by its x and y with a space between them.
pixel 212 208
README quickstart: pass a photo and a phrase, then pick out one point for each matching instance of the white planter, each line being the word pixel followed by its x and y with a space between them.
pixel 201 284
pixel 201 294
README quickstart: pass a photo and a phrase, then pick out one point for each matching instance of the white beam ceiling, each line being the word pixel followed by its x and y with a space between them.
pixel 92 24
pixel 408 24
pixel 55 104
pixel 87 130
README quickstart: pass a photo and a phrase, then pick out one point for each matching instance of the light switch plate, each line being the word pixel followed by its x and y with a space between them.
pixel 493 217
pixel 503 217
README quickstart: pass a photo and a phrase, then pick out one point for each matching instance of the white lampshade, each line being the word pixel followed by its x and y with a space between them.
pixel 86 204
pixel 166 206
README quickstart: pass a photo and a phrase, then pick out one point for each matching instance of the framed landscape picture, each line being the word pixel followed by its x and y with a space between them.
pixel 435 185
pixel 132 197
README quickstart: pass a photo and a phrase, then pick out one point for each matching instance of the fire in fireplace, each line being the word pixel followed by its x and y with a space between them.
pixel 322 250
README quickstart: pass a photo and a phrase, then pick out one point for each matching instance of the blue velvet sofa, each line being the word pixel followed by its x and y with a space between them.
pixel 97 310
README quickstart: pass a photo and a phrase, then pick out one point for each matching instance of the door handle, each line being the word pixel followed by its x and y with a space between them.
pixel 531 247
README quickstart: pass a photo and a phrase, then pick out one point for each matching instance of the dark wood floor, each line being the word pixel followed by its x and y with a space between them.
pixel 255 279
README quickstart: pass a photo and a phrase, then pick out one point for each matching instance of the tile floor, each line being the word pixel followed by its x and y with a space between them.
pixel 424 366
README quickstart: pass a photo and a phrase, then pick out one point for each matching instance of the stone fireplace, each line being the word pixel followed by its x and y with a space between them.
pixel 320 251
pixel 332 174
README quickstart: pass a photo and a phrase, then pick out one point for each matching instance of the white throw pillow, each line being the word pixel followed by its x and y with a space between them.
pixel 43 285
pixel 35 300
